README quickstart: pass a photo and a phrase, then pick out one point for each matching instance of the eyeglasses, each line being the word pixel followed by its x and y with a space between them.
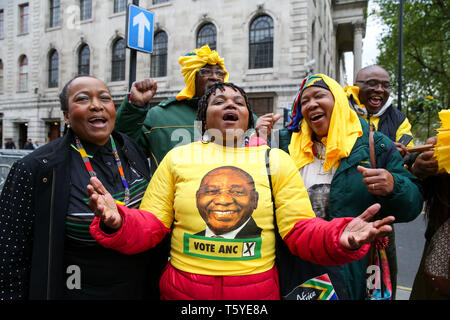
pixel 372 83
pixel 206 72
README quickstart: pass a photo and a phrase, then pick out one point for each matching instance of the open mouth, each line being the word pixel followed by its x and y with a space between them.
pixel 375 101
pixel 97 122
pixel 317 117
pixel 230 116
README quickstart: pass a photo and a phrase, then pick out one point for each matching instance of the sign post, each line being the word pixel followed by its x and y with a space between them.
pixel 139 35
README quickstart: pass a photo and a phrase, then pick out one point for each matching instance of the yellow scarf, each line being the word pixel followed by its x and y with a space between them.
pixel 193 61
pixel 343 131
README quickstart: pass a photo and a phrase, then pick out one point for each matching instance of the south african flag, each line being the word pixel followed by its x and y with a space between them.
pixel 318 288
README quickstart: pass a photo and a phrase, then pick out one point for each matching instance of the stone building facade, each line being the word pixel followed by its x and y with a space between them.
pixel 268 47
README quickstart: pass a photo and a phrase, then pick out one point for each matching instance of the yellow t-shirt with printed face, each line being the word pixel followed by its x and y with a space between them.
pixel 218 202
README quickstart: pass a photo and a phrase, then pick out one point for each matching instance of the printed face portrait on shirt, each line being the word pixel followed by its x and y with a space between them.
pixel 226 199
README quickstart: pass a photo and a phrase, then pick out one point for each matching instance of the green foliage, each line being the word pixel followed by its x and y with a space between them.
pixel 426 54
pixel 423 116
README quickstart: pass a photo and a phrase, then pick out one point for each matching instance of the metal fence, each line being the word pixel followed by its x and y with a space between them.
pixel 7 158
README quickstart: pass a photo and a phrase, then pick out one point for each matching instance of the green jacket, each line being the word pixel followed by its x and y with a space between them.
pixel 158 129
pixel 349 197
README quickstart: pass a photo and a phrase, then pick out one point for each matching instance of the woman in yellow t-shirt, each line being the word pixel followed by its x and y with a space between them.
pixel 213 197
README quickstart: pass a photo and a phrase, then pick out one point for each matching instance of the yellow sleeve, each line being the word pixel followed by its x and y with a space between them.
pixel 159 196
pixel 291 198
pixel 404 128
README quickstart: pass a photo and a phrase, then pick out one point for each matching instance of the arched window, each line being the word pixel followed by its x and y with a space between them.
pixel 1 76
pixel 23 73
pixel 158 67
pixel 84 59
pixel 207 35
pixel 261 43
pixel 53 60
pixel 118 60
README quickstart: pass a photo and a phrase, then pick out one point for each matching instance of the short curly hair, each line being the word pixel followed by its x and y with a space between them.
pixel 203 103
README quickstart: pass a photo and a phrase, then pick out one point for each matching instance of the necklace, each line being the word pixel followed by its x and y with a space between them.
pixel 91 171
pixel 316 154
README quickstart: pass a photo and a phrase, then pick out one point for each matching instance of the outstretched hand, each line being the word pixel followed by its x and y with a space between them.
pixel 103 204
pixel 360 231
pixel 142 91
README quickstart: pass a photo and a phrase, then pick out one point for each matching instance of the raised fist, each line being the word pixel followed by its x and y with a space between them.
pixel 142 91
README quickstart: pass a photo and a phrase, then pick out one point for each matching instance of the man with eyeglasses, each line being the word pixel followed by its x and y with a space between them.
pixel 369 97
pixel 159 129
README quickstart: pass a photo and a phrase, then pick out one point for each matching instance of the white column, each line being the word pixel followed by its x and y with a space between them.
pixel 357 47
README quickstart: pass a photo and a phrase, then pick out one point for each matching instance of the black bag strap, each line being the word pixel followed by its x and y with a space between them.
pixel 269 175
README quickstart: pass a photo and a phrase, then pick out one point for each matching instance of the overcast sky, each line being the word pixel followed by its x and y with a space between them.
pixel 369 50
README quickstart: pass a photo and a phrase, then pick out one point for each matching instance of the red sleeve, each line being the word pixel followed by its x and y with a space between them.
pixel 140 231
pixel 318 241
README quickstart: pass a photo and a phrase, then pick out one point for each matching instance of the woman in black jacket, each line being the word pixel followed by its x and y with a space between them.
pixel 46 251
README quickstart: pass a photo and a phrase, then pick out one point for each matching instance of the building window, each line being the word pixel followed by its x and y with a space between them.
pixel 23 18
pixel 158 67
pixel 84 59
pixel 54 13
pixel 2 28
pixel 23 73
pixel 53 69
pixel 207 35
pixel 118 60
pixel 1 76
pixel 159 1
pixel 261 43
pixel 120 5
pixel 261 106
pixel 85 9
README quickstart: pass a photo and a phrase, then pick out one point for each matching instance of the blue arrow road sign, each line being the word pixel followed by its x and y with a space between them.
pixel 139 29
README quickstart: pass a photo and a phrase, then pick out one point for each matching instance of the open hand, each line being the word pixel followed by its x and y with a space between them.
pixel 103 204
pixel 378 181
pixel 265 123
pixel 142 91
pixel 360 231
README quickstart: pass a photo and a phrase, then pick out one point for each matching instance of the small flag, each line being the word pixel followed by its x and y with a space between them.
pixel 318 288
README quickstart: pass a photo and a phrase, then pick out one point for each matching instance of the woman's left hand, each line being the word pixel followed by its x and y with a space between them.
pixel 379 181
pixel 103 204
pixel 360 231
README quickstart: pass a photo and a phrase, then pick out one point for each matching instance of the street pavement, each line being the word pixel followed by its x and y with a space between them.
pixel 410 239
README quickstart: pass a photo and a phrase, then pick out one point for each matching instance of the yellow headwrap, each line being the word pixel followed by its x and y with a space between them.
pixel 343 131
pixel 193 61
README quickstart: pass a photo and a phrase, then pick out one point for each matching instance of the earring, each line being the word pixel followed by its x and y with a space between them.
pixel 206 138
